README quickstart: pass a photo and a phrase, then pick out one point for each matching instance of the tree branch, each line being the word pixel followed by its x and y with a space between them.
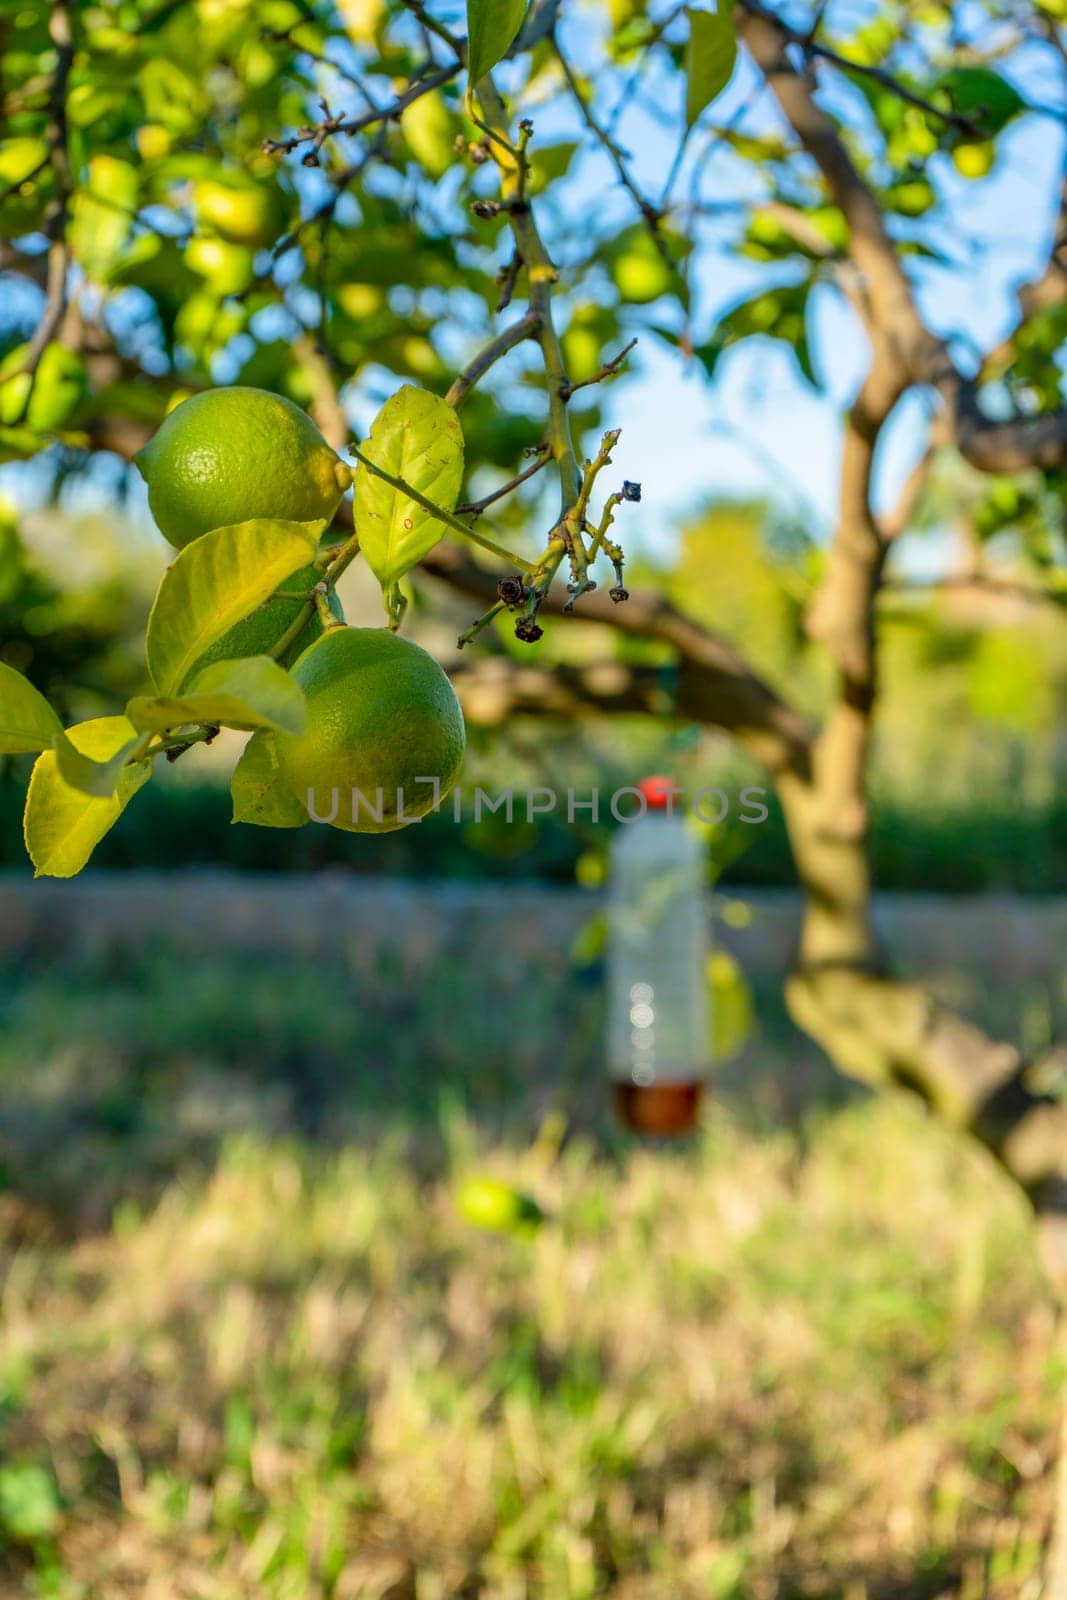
pixel 60 32
pixel 330 126
pixel 810 47
pixel 526 328
pixel 712 683
pixel 891 307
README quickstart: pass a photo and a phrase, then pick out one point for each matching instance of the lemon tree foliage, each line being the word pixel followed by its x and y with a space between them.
pixel 710 54
pixel 28 724
pixel 251 693
pixel 491 29
pixel 228 231
pixel 214 583
pixel 63 825
pixel 260 793
pixel 27 721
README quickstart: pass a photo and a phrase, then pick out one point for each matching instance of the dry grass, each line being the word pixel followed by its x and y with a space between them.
pixel 764 1367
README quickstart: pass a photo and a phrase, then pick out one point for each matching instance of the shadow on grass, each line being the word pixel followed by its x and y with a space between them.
pixel 120 1067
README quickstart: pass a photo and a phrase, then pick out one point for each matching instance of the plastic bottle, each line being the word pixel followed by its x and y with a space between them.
pixel 658 1044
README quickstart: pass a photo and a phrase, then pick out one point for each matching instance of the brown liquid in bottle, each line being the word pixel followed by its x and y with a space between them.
pixel 658 1108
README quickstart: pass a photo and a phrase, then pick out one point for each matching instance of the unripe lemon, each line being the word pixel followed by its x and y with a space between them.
pixel 381 715
pixel 975 160
pixel 912 198
pixel 243 213
pixel 258 634
pixel 497 1206
pixel 228 268
pixel 153 141
pixel 641 274
pixel 232 455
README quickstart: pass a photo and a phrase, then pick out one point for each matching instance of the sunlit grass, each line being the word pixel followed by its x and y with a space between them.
pixel 794 1364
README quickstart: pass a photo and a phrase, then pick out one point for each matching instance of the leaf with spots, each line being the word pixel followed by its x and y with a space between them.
pixel 416 437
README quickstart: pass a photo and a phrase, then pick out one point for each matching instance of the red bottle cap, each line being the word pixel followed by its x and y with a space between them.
pixel 658 792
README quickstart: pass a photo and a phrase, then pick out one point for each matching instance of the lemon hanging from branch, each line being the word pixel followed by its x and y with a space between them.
pixel 234 455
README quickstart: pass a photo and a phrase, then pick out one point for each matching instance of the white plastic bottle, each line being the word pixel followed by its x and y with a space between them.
pixel 657 1002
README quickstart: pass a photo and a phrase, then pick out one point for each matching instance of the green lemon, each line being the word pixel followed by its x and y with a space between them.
pixel 153 141
pixel 383 722
pixel 640 272
pixel 55 391
pixel 912 197
pixel 243 213
pixel 497 1206
pixel 231 455
pixel 258 634
pixel 975 160
pixel 228 268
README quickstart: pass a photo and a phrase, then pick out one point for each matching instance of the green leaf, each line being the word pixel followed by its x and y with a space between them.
pixel 710 54
pixel 102 214
pixel 775 313
pixel 63 826
pixel 29 1502
pixel 27 721
pixel 18 444
pixel 981 95
pixel 98 778
pixel 249 692
pixel 28 724
pixel 492 28
pixel 20 159
pixel 260 794
pixel 417 437
pixel 213 583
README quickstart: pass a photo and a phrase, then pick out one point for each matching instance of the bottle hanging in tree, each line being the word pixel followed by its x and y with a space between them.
pixel 658 1046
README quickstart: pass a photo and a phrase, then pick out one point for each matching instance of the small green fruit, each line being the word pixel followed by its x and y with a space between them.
pixel 383 722
pixel 975 160
pixel 241 213
pixel 228 268
pixel 496 1206
pixel 640 272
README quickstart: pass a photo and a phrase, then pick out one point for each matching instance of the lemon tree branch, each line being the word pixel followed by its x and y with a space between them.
pixel 525 328
pixel 60 30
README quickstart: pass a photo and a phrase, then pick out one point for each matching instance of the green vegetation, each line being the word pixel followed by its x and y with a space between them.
pixel 731 1369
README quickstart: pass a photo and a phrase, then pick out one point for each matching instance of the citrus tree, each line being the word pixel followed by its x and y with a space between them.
pixel 219 217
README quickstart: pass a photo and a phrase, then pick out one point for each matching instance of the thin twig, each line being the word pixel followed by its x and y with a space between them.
pixel 474 508
pixel 330 126
pixel 431 24
pixel 525 328
pixel 608 370
pixel 651 214
pixel 55 227
pixel 811 47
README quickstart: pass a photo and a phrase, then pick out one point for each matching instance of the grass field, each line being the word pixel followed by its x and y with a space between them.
pixel 242 1361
